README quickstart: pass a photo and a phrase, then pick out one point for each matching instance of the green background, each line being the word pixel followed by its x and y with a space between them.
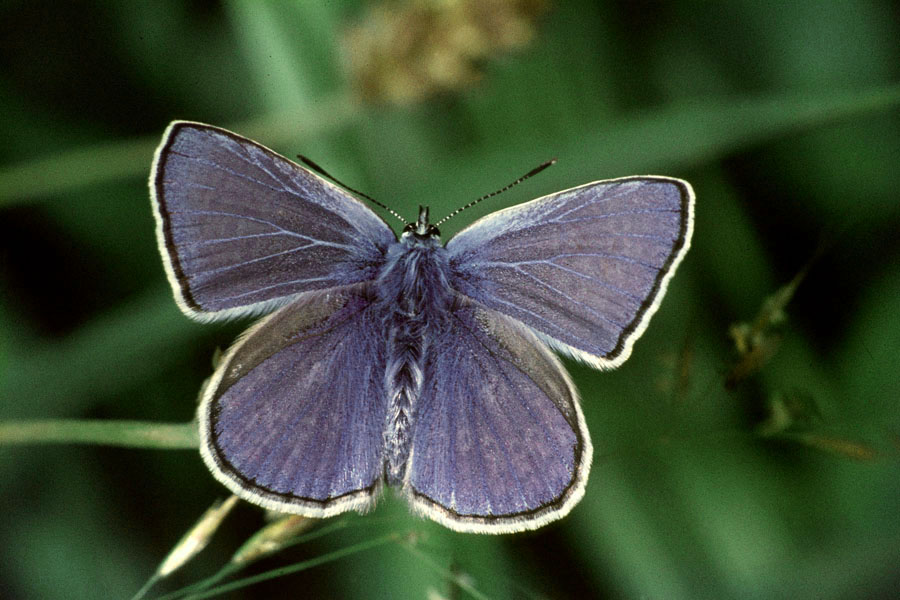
pixel 783 116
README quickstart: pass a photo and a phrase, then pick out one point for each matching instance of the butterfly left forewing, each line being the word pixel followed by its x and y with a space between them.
pixel 242 229
pixel 293 417
pixel 500 444
pixel 585 268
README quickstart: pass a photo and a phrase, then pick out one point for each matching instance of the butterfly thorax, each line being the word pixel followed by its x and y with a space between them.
pixel 413 295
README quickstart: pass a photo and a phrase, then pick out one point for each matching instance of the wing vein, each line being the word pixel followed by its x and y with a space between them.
pixel 277 228
pixel 238 238
pixel 645 211
pixel 244 263
pixel 276 285
pixel 615 193
pixel 231 172
pixel 540 318
pixel 500 265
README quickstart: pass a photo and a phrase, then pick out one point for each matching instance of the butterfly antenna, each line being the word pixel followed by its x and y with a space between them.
pixel 530 173
pixel 318 169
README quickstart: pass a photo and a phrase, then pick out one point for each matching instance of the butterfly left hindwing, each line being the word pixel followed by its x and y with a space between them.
pixel 293 417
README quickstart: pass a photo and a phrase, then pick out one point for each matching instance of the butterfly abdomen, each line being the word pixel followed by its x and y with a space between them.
pixel 403 384
pixel 412 295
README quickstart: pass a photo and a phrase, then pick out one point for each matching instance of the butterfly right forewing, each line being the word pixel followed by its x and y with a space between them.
pixel 586 268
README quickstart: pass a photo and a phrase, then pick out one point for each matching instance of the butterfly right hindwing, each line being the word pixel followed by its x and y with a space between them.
pixel 500 443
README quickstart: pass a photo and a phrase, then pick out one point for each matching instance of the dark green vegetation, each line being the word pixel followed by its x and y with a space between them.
pixel 768 474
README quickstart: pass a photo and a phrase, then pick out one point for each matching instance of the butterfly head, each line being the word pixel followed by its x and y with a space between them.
pixel 422 230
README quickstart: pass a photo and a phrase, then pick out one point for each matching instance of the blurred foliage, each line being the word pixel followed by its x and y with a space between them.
pixel 784 117
pixel 409 51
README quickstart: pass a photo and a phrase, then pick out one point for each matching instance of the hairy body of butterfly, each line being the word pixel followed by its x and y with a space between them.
pixel 407 362
pixel 413 296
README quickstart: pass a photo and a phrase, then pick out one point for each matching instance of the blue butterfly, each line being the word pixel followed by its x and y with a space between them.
pixel 412 363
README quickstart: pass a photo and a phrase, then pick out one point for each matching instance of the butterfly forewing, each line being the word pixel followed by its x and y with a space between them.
pixel 294 416
pixel 500 444
pixel 586 268
pixel 241 228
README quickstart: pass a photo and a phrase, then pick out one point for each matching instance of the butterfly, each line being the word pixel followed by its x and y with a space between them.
pixel 405 362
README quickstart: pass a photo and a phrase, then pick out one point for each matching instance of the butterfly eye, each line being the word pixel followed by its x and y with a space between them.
pixel 430 231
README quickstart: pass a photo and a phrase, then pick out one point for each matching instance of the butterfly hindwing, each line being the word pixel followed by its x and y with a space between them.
pixel 293 417
pixel 500 444
pixel 241 228
pixel 586 267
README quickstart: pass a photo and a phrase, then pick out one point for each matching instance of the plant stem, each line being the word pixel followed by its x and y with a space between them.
pixel 129 434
